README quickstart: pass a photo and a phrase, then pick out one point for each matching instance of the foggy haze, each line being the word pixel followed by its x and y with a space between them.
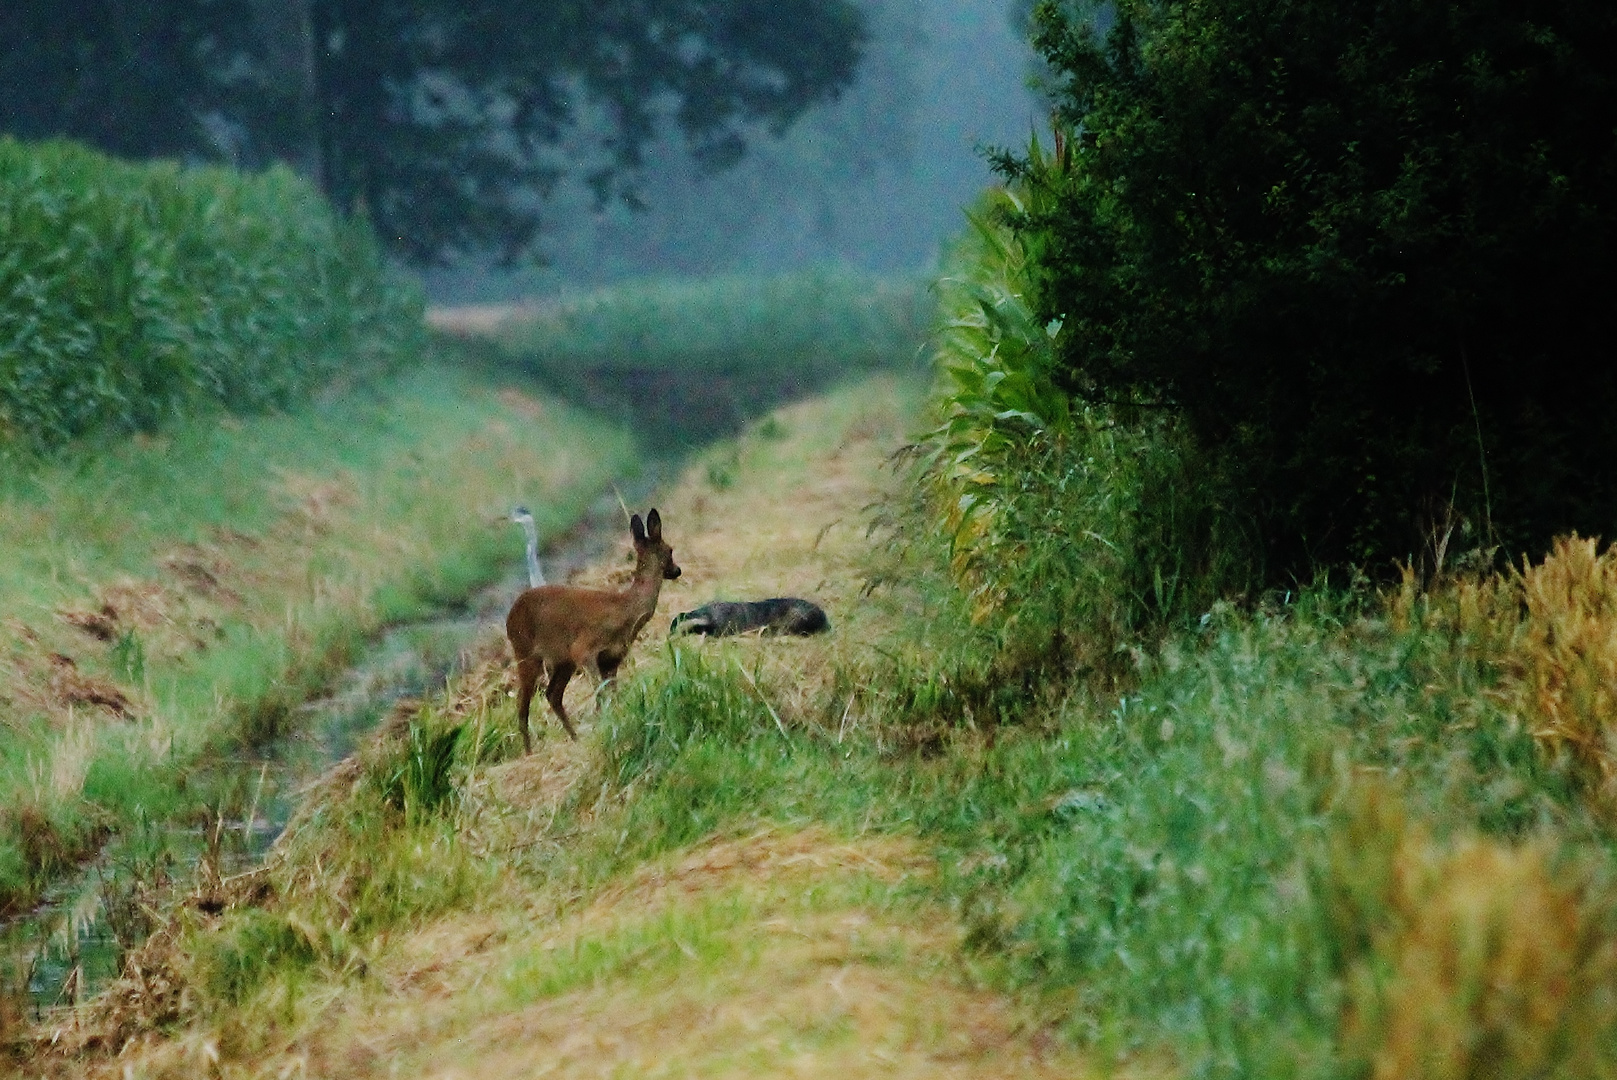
pixel 876 180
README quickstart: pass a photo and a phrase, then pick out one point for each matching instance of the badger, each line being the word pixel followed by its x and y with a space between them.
pixel 780 615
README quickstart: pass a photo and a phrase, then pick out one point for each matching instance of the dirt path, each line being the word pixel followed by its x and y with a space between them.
pixel 475 320
pixel 782 954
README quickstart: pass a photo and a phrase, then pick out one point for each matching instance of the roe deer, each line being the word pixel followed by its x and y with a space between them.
pixel 559 628
pixel 780 615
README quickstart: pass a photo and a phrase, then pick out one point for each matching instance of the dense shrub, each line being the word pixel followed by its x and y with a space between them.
pixel 1365 250
pixel 131 294
pixel 1073 526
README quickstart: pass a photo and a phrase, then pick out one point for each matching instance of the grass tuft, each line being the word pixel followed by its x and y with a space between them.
pixel 1547 633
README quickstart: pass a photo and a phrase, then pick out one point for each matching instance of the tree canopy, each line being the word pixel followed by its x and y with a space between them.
pixel 1366 249
pixel 134 79
pixel 443 120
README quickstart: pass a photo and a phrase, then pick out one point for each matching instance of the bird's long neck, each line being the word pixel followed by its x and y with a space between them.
pixel 536 576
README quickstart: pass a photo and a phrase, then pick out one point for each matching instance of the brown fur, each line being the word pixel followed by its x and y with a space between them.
pixel 560 629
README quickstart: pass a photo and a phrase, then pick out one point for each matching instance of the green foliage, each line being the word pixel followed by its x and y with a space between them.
pixel 828 319
pixel 131 295
pixel 1073 527
pixel 1364 251
pixel 496 87
pixel 417 780
pixel 695 702
pixel 234 964
pixel 687 361
pixel 437 121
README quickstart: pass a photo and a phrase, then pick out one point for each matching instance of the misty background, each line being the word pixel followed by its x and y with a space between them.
pixel 510 147
pixel 875 180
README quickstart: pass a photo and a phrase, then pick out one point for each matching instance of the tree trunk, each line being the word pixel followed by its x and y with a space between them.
pixel 286 29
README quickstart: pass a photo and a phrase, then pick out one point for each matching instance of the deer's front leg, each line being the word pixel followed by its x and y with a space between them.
pixel 605 666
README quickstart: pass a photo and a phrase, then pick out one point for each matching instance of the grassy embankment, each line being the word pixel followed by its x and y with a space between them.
pixel 174 599
pixel 749 909
pixel 1342 833
pixel 225 462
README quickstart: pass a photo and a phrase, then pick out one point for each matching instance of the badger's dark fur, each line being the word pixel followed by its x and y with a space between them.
pixel 780 615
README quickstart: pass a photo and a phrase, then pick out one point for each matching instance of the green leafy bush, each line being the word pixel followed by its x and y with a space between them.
pixel 133 294
pixel 1364 251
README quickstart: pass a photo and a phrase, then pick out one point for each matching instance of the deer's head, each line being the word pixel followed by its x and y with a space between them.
pixel 649 548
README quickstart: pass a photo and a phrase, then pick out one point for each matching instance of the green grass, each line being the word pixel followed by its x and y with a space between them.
pixel 1176 860
pixel 314 529
pixel 689 361
pixel 843 319
pixel 1187 873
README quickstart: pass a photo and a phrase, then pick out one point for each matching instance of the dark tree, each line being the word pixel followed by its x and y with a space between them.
pixel 133 77
pixel 1366 248
pixel 445 121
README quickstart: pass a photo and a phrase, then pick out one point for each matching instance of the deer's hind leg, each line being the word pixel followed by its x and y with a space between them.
pixel 528 672
pixel 560 673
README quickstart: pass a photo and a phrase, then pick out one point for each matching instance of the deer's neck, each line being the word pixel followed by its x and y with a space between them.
pixel 644 589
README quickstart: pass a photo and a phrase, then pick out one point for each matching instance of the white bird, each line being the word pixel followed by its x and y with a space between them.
pixel 536 576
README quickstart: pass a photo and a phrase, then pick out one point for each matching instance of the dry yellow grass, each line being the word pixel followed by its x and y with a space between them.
pixel 1565 659
pixel 1551 631
pixel 1484 959
pixel 781 954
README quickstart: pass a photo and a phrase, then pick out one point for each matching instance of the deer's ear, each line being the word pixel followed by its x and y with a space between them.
pixel 654 525
pixel 637 529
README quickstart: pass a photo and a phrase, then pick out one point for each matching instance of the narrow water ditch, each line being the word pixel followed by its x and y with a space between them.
pixel 73 941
